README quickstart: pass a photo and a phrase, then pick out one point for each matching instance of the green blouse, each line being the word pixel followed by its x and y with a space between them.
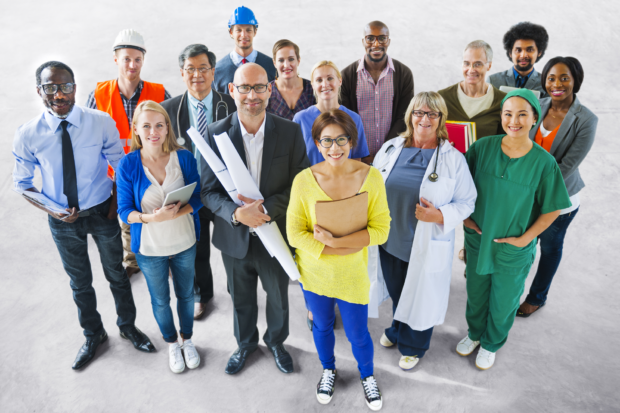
pixel 512 194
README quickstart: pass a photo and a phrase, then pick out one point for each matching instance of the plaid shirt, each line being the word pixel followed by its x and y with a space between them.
pixel 278 106
pixel 374 104
pixel 129 104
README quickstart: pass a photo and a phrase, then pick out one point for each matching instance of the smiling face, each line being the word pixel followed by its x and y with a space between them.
pixel 375 51
pixel 198 84
pixel 424 128
pixel 243 35
pixel 152 129
pixel 475 66
pixel 524 54
pixel 286 62
pixel 129 62
pixel 250 104
pixel 326 83
pixel 59 104
pixel 336 155
pixel 517 117
pixel 560 82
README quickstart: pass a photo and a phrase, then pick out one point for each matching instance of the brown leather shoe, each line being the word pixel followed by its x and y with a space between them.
pixel 131 271
pixel 199 310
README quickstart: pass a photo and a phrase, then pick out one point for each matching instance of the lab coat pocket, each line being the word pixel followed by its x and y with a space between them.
pixel 439 255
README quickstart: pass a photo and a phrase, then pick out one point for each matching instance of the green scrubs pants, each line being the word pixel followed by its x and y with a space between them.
pixel 492 302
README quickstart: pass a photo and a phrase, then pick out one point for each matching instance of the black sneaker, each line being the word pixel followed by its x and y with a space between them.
pixel 325 388
pixel 372 393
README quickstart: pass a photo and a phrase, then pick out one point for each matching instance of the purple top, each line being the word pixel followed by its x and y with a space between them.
pixel 278 106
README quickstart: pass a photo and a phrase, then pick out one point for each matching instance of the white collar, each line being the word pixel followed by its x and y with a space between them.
pixel 261 129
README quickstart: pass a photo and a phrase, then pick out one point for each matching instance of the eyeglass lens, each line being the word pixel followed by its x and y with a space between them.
pixel 245 89
pixel 371 39
pixel 53 88
pixel 431 115
pixel 329 142
pixel 202 70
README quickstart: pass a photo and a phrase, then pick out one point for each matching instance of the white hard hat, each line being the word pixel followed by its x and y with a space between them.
pixel 129 38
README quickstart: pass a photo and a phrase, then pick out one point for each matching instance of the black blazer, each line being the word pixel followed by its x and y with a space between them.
pixel 284 156
pixel 179 113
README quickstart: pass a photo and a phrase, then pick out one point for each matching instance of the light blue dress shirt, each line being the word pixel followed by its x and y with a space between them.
pixel 95 141
pixel 192 104
pixel 237 58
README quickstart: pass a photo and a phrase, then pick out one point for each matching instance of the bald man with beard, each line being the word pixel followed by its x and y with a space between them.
pixel 274 151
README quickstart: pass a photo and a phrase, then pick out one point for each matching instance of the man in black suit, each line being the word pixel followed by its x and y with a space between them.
pixel 274 151
pixel 199 106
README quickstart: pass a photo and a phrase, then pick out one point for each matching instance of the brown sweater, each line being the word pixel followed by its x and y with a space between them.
pixel 488 122
pixel 403 93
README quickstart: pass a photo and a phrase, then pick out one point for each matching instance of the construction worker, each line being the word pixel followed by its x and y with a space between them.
pixel 242 27
pixel 119 98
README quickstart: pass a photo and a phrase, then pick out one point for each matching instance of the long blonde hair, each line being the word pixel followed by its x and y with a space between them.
pixel 434 102
pixel 170 143
pixel 321 64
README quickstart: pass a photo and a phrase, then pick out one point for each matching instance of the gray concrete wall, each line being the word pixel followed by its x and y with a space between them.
pixel 563 359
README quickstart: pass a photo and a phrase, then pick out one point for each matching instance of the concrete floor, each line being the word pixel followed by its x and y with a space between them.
pixel 560 360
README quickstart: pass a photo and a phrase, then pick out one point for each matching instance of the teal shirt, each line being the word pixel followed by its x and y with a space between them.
pixel 512 194
pixel 192 105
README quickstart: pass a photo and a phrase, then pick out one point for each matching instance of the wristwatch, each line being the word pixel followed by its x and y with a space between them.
pixel 233 220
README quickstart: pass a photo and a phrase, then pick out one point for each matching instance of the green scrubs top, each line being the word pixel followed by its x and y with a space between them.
pixel 512 194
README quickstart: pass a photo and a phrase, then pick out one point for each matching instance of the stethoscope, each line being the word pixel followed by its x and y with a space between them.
pixel 180 139
pixel 433 177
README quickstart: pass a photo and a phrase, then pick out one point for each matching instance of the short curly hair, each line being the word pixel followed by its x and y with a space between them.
pixel 526 31
pixel 573 65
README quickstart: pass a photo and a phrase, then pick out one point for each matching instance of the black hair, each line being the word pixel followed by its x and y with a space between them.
pixel 573 65
pixel 526 31
pixel 54 64
pixel 194 50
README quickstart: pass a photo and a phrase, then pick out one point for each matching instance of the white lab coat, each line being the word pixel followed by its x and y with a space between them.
pixel 424 299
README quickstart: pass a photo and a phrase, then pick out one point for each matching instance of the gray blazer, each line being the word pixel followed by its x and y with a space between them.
pixel 572 142
pixel 284 156
pixel 507 78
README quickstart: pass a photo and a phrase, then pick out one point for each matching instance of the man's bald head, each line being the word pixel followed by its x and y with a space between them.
pixel 250 74
pixel 379 25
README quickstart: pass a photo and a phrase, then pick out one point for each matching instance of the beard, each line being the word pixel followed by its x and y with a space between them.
pixel 369 54
pixel 524 68
pixel 64 115
pixel 256 111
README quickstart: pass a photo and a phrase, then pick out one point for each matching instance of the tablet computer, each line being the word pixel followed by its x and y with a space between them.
pixel 182 194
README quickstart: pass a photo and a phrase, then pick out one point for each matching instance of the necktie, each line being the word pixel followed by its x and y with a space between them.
pixel 69 177
pixel 520 82
pixel 202 119
pixel 244 61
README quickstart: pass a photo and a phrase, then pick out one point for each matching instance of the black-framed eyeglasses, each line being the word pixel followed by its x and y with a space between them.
pixel 245 89
pixel 52 88
pixel 329 142
pixel 370 39
pixel 431 115
pixel 201 70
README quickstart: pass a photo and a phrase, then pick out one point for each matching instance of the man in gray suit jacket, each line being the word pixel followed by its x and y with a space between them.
pixel 274 151
pixel 525 44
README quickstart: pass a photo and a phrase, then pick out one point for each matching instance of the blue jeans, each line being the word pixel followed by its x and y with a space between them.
pixel 155 270
pixel 355 321
pixel 71 241
pixel 551 245
pixel 410 342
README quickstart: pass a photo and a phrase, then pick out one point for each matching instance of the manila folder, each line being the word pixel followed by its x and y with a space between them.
pixel 343 217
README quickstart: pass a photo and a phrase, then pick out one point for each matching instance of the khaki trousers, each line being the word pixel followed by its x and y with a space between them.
pixel 129 258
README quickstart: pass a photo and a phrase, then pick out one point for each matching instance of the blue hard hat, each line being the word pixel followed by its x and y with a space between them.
pixel 242 15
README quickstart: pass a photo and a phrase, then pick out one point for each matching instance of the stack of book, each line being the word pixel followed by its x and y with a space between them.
pixel 461 134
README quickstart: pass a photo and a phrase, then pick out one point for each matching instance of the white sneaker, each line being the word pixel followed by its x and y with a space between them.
pixel 385 342
pixel 408 362
pixel 466 346
pixel 325 388
pixel 177 365
pixel 192 358
pixel 485 359
pixel 372 394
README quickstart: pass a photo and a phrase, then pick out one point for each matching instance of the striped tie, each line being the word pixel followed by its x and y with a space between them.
pixel 202 119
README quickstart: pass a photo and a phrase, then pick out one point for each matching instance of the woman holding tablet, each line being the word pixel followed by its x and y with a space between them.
pixel 163 238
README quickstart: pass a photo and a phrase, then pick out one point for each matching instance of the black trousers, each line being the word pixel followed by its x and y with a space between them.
pixel 243 275
pixel 203 282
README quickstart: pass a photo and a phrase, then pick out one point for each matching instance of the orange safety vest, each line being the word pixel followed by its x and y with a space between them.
pixel 108 99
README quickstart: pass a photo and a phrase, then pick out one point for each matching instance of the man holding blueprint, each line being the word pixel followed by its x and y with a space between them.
pixel 274 152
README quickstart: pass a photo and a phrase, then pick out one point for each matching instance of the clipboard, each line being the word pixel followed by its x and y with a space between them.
pixel 343 217
pixel 181 194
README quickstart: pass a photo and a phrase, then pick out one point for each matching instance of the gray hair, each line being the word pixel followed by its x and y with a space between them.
pixel 481 44
pixel 194 50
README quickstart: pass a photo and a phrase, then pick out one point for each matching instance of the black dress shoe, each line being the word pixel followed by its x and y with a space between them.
pixel 88 349
pixel 139 340
pixel 284 361
pixel 236 362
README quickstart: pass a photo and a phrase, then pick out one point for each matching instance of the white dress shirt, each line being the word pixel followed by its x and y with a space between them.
pixel 253 145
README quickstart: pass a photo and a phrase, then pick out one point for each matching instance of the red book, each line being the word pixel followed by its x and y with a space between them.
pixel 459 135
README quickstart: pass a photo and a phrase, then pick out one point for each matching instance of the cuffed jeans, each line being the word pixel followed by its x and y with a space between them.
pixel 355 322
pixel 156 270
pixel 551 246
pixel 410 342
pixel 71 241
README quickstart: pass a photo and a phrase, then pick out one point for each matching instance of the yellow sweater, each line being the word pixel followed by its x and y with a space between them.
pixel 338 276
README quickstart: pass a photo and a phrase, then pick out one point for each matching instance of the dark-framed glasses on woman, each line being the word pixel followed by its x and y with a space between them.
pixel 329 142
pixel 431 115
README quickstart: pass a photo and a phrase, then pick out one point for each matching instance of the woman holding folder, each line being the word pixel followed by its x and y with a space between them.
pixel 430 192
pixel 162 237
pixel 334 270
